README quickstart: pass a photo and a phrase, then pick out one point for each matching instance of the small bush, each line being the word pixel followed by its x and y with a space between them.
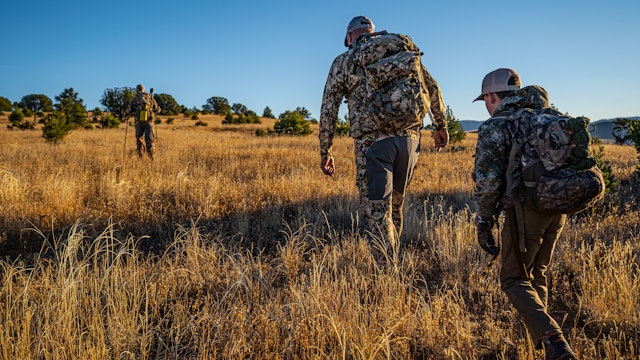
pixel 201 123
pixel 16 117
pixel 292 123
pixel 343 128
pixel 244 118
pixel 264 132
pixel 109 121
pixel 56 128
pixel 194 117
pixel 170 120
pixel 228 119
pixel 604 166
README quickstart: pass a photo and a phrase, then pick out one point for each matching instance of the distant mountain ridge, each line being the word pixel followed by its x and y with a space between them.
pixel 602 128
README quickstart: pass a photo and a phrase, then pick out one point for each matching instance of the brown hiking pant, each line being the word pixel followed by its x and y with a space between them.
pixel 528 291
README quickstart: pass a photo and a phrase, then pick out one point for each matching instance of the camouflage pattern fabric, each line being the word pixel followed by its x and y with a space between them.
pixel 144 129
pixel 345 82
pixel 493 148
pixel 525 118
pixel 391 67
pixel 144 138
pixel 383 218
pixel 141 102
pixel 491 159
pixel 568 191
pixel 551 165
pixel 530 97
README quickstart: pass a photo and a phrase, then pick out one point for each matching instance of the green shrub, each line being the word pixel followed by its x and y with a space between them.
pixel 170 120
pixel 264 132
pixel 343 128
pixel 454 128
pixel 16 117
pixel 109 121
pixel 607 173
pixel 249 117
pixel 56 128
pixel 201 123
pixel 228 119
pixel 292 123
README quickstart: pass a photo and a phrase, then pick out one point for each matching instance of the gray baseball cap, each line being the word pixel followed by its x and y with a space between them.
pixel 500 80
pixel 359 22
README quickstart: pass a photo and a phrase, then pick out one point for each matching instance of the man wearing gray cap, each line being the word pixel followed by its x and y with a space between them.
pixel 523 274
pixel 386 151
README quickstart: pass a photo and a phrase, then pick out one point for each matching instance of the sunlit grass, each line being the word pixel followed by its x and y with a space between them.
pixel 231 245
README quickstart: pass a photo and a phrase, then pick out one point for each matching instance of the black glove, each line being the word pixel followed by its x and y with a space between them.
pixel 485 237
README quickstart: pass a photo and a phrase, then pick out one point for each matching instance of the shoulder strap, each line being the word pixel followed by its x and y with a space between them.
pixel 512 183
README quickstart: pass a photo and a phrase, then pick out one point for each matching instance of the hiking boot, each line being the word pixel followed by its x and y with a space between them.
pixel 556 347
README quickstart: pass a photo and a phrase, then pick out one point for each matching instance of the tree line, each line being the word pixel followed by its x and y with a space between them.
pixel 69 112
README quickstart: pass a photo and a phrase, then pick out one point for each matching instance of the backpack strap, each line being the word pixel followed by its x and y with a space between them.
pixel 513 184
pixel 511 215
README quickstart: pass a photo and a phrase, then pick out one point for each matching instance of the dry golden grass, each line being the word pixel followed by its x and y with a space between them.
pixel 233 246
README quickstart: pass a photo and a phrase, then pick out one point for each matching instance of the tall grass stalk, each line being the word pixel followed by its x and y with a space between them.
pixel 230 245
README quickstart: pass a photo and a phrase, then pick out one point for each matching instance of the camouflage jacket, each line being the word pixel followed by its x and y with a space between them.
pixel 493 148
pixel 140 101
pixel 344 82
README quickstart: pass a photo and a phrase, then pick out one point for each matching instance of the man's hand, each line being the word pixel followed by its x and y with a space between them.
pixel 485 237
pixel 327 166
pixel 440 138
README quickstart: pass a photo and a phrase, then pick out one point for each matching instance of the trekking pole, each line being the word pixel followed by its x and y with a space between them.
pixel 154 125
pixel 126 128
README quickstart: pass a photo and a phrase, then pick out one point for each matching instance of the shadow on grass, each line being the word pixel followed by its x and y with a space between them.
pixel 328 218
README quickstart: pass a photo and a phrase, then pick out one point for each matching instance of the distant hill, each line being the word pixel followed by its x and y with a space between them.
pixel 603 128
pixel 470 125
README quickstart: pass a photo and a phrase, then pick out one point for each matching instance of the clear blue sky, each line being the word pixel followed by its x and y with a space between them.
pixel 278 53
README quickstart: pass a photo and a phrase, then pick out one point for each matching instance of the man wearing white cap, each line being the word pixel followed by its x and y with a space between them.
pixel 523 274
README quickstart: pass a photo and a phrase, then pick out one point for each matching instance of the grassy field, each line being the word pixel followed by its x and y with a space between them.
pixel 234 246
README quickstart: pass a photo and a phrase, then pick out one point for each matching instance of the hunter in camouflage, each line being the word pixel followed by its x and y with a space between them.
pixel 523 274
pixel 381 208
pixel 141 103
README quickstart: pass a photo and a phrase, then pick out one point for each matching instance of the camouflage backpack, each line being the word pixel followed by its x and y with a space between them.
pixel 550 164
pixel 391 67
pixel 143 106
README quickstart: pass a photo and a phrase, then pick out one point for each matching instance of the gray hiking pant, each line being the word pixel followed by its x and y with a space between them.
pixel 389 167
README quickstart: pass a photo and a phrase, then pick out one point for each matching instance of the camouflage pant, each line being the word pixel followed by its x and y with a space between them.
pixel 383 172
pixel 144 137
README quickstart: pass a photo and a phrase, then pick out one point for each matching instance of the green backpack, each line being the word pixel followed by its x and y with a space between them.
pixel 391 67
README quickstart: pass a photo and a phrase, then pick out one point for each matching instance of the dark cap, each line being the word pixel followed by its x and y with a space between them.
pixel 500 80
pixel 358 22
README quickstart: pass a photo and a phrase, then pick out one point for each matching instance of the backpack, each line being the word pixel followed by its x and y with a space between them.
pixel 550 164
pixel 143 105
pixel 391 67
